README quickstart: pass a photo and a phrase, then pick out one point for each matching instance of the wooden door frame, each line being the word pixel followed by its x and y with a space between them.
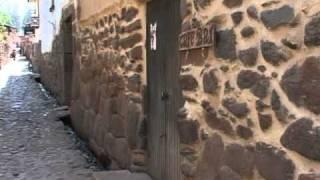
pixel 169 167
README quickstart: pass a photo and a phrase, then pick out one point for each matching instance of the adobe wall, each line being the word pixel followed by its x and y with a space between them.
pixel 108 89
pixel 252 103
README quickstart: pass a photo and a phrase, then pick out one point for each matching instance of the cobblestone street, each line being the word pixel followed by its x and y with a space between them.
pixel 33 145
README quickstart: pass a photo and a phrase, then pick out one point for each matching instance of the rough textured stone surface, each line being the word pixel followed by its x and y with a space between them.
pixel 232 3
pixel 210 82
pixel 244 132
pixel 258 84
pixel 274 54
pixel 239 159
pixel 312 32
pixel 272 163
pixel 227 173
pixel 216 122
pixel 188 131
pixel 265 121
pixel 261 88
pixel 280 110
pixel 238 109
pixel 129 14
pixel 249 56
pixel 226 45
pixel 188 82
pixel 303 138
pixel 302 84
pixel 247 32
pixel 247 79
pixel 212 158
pixel 237 17
pixel 275 18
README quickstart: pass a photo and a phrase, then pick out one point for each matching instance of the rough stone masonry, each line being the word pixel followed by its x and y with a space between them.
pixel 252 102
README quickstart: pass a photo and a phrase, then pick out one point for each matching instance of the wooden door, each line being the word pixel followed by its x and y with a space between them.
pixel 164 95
pixel 68 60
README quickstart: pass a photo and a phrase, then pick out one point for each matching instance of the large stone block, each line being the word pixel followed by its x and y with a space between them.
pixel 188 131
pixel 240 159
pixel 303 138
pixel 302 84
pixel 272 163
pixel 188 82
pixel 312 32
pixel 212 158
pixel 274 54
pixel 273 19
pixel 226 45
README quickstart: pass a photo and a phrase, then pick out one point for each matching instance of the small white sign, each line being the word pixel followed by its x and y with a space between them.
pixel 153 36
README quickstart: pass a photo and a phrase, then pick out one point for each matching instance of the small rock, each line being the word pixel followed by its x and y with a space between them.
pixel 262 68
pixel 249 56
pixel 188 82
pixel 290 43
pixel 274 54
pixel 210 82
pixel 237 17
pixel 247 78
pixel 240 110
pixel 265 121
pixel 253 12
pixel 244 132
pixel 247 32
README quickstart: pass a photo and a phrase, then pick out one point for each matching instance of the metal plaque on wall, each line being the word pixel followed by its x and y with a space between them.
pixel 197 38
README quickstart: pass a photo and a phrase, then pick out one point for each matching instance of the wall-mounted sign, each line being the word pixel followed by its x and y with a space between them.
pixel 153 37
pixel 197 38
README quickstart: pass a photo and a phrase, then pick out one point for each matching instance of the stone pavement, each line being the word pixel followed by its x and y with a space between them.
pixel 33 145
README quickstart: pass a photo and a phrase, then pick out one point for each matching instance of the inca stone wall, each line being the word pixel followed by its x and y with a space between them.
pixel 252 102
pixel 107 107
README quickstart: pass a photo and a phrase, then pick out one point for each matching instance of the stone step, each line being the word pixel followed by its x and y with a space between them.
pixel 120 175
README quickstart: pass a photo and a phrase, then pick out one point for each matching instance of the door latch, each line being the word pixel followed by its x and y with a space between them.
pixel 164 96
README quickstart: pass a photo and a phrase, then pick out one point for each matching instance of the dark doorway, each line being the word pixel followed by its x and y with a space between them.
pixel 67 60
pixel 164 95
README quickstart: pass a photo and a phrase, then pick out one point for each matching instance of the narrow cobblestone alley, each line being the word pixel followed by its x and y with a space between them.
pixel 33 145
